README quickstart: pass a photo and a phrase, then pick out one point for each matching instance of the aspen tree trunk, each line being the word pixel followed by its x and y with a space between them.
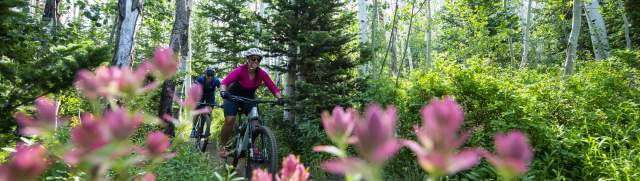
pixel 180 44
pixel 362 22
pixel 410 58
pixel 525 37
pixel 50 16
pixel 129 18
pixel 210 35
pixel 289 90
pixel 407 39
pixel 573 38
pixel 394 52
pixel 627 38
pixel 373 37
pixel 539 50
pixel 597 30
pixel 32 5
pixel 428 35
pixel 507 8
pixel 391 39
pixel 260 12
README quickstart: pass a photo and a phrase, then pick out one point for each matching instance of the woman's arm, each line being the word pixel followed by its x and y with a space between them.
pixel 231 78
pixel 272 87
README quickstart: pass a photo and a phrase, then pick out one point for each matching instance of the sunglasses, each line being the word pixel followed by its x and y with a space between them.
pixel 258 59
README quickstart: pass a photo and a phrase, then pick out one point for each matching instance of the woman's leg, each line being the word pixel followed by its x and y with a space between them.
pixel 230 112
pixel 227 129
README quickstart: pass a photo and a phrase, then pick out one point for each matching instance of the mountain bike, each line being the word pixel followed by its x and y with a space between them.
pixel 203 128
pixel 259 149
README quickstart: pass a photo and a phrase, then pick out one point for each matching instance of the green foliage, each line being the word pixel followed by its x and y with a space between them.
pixel 232 30
pixel 325 64
pixel 583 128
pixel 34 64
pixel 155 27
pixel 477 28
pixel 188 163
pixel 27 77
pixel 632 8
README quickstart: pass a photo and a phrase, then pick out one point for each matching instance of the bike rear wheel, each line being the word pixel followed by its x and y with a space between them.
pixel 202 137
pixel 265 152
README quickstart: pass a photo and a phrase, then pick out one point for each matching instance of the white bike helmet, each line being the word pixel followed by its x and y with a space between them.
pixel 253 52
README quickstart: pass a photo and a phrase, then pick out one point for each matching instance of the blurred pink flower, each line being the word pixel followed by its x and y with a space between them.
pixel 87 83
pixel 345 166
pixel 90 134
pixel 329 149
pixel 339 124
pixel 441 121
pixel 147 177
pixel 26 164
pixel 121 124
pixel 114 81
pixel 42 122
pixel 375 136
pixel 195 93
pixel 87 137
pixel 157 145
pixel 293 170
pixel 132 82
pixel 108 81
pixel 191 101
pixel 261 175
pixel 513 154
pixel 164 62
pixel 439 140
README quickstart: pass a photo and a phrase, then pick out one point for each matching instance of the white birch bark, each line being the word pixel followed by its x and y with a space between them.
pixel 50 16
pixel 210 35
pixel 539 50
pixel 598 31
pixel 362 20
pixel 260 13
pixel 428 35
pixel 394 51
pixel 362 23
pixel 573 39
pixel 410 58
pixel 373 37
pixel 525 36
pixel 130 11
pixel 627 38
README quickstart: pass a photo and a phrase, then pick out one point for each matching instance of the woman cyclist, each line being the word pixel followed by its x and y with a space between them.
pixel 243 82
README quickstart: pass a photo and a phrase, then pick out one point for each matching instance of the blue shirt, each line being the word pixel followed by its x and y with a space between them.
pixel 208 89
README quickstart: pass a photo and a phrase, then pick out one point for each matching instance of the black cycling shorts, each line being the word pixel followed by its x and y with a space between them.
pixel 231 107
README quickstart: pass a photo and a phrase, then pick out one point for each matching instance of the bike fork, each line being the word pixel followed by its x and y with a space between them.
pixel 250 145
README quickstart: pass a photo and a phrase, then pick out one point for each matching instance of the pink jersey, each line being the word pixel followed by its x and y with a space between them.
pixel 241 76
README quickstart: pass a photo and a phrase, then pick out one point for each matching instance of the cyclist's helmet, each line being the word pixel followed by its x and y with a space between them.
pixel 209 71
pixel 253 52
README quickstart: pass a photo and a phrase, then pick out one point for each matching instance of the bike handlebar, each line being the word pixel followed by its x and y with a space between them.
pixel 209 104
pixel 244 99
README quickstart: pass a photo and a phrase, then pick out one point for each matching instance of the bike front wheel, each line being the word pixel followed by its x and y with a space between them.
pixel 202 133
pixel 263 153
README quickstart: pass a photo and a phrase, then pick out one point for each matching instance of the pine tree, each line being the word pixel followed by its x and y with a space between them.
pixel 314 36
pixel 232 30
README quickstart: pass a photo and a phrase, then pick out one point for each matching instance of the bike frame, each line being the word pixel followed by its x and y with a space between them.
pixel 206 124
pixel 244 140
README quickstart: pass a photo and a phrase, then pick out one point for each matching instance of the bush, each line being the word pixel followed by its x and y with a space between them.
pixel 585 127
